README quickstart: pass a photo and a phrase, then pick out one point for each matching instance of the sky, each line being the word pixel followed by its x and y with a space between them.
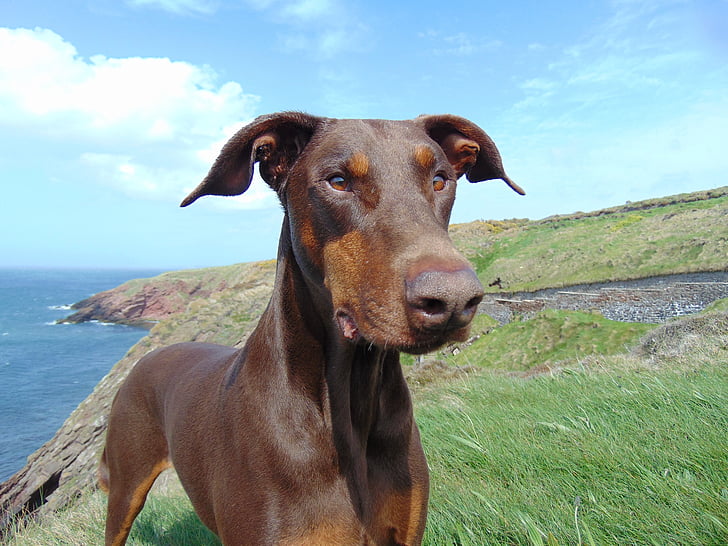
pixel 112 111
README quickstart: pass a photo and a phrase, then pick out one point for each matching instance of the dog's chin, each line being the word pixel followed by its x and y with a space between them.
pixel 414 342
pixel 426 342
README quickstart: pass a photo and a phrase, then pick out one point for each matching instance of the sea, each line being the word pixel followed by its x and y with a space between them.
pixel 47 369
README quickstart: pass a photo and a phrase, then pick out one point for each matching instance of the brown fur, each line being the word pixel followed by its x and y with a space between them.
pixel 306 435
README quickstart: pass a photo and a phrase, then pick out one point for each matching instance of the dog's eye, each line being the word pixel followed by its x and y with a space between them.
pixel 439 182
pixel 338 183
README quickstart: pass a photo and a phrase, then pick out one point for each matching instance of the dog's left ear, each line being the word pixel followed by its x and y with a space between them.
pixel 468 148
pixel 274 141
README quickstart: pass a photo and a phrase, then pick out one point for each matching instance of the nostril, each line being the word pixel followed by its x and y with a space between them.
pixel 431 306
pixel 474 302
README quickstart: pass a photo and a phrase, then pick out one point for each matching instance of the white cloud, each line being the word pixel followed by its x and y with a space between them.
pixel 460 44
pixel 635 109
pixel 181 7
pixel 150 98
pixel 306 10
pixel 641 63
pixel 141 180
pixel 298 10
pixel 538 84
pixel 144 125
pixel 322 28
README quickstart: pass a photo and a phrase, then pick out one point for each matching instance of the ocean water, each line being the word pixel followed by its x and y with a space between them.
pixel 47 369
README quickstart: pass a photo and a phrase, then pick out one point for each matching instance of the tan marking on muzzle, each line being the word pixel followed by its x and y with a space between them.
pixel 343 260
pixel 306 235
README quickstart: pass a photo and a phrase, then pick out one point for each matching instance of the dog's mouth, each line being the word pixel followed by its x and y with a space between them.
pixel 416 343
pixel 347 326
pixel 430 341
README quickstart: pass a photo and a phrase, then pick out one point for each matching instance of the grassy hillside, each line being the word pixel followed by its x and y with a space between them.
pixel 678 234
pixel 563 429
pixel 627 447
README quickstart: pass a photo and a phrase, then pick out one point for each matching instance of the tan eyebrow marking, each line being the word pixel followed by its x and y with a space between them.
pixel 424 156
pixel 358 165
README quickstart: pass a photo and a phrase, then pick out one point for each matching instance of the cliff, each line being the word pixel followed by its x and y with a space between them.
pixel 145 302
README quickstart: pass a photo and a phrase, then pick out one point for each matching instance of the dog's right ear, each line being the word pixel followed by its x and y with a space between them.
pixel 468 148
pixel 275 141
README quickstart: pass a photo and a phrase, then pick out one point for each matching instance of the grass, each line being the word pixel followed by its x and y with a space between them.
pixel 549 337
pixel 165 520
pixel 624 459
pixel 677 235
pixel 625 448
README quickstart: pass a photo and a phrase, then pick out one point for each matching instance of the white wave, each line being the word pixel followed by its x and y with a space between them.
pixel 59 307
pixel 101 323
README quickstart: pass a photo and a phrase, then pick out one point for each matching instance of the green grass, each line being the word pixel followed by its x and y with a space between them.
pixel 165 520
pixel 627 448
pixel 549 337
pixel 676 235
pixel 628 458
pixel 718 305
pixel 625 459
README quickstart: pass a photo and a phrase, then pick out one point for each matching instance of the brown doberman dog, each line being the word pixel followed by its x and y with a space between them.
pixel 306 435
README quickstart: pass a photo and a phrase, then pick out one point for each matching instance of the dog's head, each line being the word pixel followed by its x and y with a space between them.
pixel 367 206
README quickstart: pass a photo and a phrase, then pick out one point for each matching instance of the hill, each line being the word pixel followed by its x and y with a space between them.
pixel 678 234
pixel 621 448
pixel 672 235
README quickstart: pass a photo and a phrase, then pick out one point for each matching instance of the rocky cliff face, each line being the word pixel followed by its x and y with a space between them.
pixel 145 307
pixel 144 302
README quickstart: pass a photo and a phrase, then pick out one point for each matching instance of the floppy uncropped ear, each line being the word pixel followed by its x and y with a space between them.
pixel 275 141
pixel 468 148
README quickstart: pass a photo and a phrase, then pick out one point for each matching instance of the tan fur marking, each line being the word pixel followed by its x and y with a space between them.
pixel 342 261
pixel 348 270
pixel 307 238
pixel 462 153
pixel 326 535
pixel 424 157
pixel 358 165
pixel 103 474
pixel 405 531
pixel 418 499
pixel 137 500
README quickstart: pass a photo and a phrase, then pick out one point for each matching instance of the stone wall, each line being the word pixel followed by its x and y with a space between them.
pixel 653 300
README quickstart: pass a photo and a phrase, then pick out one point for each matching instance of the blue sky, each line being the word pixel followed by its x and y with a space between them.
pixel 111 111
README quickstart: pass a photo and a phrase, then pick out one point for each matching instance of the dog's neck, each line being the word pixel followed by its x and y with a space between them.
pixel 359 389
